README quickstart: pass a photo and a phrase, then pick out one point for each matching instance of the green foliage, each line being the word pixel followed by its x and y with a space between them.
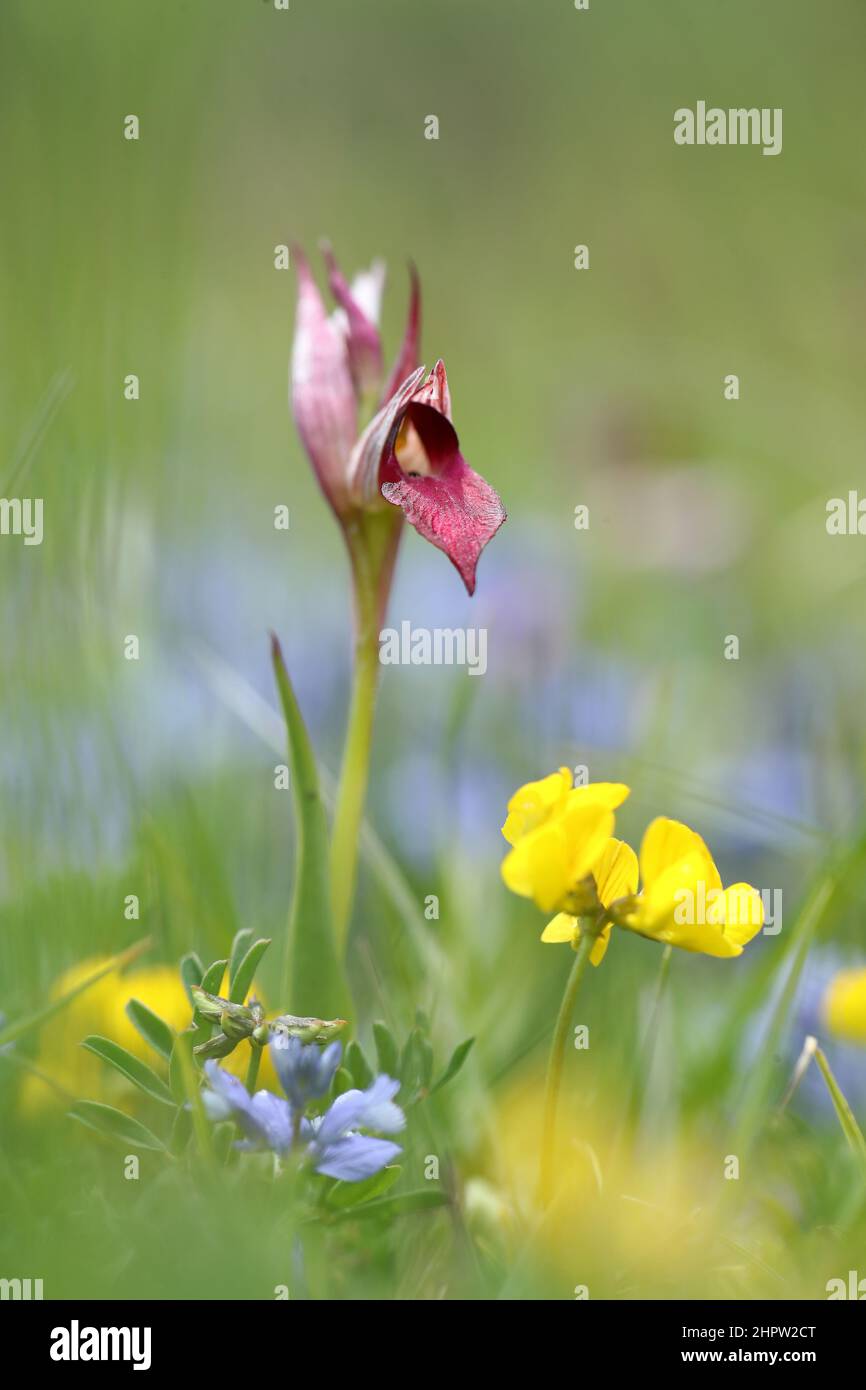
pixel 312 975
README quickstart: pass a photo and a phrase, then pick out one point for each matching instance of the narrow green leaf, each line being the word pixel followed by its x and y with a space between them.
pixel 850 1128
pixel 246 970
pixel 342 1082
pixel 458 1057
pixel 136 1071
pixel 416 1063
pixel 240 946
pixel 115 1125
pixel 211 980
pixel 387 1052
pixel 155 1031
pixel 20 1026
pixel 358 1065
pixel 191 972
pixel 352 1194
pixel 313 979
pixel 223 1137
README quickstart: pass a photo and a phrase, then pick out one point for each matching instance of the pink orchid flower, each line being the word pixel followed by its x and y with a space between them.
pixel 408 455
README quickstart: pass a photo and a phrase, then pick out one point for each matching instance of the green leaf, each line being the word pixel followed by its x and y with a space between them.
pixel 191 972
pixel 151 1027
pixel 387 1052
pixel 458 1057
pixel 245 973
pixel 850 1128
pixel 313 979
pixel 424 1199
pixel 416 1065
pixel 223 1137
pixel 240 946
pixel 342 1082
pixel 20 1026
pixel 136 1071
pixel 352 1194
pixel 358 1065
pixel 211 980
pixel 113 1124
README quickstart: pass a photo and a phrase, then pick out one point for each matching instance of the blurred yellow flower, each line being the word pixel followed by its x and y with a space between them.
pixel 683 903
pixel 102 1010
pixel 558 834
pixel 844 1006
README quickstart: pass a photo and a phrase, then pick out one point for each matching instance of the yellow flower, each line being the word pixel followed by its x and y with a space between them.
pixel 102 1010
pixel 683 902
pixel 558 833
pixel 844 1006
pixel 615 877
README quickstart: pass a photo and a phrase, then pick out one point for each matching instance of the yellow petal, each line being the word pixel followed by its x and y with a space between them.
pixel 596 955
pixel 532 803
pixel 610 794
pixel 560 928
pixel 667 842
pixel 616 872
pixel 675 910
pixel 740 913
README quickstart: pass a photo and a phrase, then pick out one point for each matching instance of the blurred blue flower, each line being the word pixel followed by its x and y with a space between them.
pixel 333 1142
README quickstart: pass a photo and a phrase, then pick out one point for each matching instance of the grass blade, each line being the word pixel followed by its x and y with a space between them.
pixel 313 980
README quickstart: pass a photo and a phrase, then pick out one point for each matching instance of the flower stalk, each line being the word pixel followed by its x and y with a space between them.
pixel 590 930
pixel 372 541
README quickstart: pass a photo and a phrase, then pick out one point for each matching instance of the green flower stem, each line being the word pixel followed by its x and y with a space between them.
pixel 646 1051
pixel 253 1067
pixel 588 933
pixel 192 1088
pixel 372 539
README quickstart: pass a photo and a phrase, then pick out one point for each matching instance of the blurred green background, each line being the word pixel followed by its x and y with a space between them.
pixel 601 387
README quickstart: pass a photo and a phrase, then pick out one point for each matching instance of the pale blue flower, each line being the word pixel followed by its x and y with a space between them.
pixel 333 1143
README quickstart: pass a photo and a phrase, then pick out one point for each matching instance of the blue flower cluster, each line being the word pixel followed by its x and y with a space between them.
pixel 333 1143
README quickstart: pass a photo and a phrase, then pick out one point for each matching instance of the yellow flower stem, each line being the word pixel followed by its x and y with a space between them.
pixel 589 930
pixel 372 541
